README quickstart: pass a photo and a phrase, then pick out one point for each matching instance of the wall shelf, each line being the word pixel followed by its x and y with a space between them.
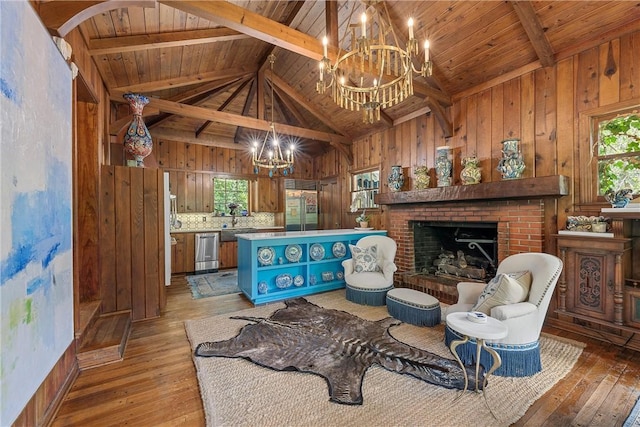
pixel 525 188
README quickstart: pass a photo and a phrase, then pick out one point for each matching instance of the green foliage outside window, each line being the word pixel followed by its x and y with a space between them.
pixel 226 191
pixel 619 154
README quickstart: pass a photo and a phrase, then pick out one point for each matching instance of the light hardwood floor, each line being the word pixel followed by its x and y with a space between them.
pixel 156 385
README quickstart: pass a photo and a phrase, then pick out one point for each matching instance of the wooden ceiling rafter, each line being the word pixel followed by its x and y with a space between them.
pixel 192 95
pixel 290 107
pixel 182 81
pixel 247 107
pixel 531 24
pixel 224 105
pixel 237 120
pixel 312 109
pixel 116 45
pixel 195 98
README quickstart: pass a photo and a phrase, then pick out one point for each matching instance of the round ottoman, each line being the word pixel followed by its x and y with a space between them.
pixel 414 307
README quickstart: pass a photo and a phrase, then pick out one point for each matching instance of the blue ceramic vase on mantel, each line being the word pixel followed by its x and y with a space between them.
pixel 444 165
pixel 512 164
pixel 396 178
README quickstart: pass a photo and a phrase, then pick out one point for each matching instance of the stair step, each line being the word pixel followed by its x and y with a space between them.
pixel 105 341
pixel 88 313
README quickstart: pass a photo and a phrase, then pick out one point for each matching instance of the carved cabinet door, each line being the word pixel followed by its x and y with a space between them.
pixel 590 283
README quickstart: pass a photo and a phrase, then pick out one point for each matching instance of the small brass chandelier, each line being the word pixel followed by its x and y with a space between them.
pixel 374 74
pixel 269 155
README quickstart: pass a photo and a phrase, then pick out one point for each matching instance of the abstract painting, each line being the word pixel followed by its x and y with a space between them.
pixel 36 268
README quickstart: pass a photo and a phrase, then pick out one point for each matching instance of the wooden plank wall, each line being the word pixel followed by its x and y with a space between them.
pixel 539 107
pixel 132 241
pixel 192 168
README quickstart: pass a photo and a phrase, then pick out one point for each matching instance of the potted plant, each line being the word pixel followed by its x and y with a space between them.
pixel 363 219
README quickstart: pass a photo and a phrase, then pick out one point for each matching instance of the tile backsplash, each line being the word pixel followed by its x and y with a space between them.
pixel 206 221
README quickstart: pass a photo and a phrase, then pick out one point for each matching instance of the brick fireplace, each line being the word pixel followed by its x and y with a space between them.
pixel 520 228
pixel 516 207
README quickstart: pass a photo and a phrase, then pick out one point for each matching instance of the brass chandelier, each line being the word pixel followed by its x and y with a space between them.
pixel 374 74
pixel 270 155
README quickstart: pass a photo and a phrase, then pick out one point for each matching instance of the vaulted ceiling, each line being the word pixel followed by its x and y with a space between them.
pixel 205 64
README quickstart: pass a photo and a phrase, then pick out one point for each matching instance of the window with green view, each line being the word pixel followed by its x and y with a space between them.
pixel 226 191
pixel 619 153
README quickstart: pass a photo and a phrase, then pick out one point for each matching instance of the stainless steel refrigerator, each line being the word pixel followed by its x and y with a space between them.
pixel 301 199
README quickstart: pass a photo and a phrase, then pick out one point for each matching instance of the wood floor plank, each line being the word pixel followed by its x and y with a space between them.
pixel 156 383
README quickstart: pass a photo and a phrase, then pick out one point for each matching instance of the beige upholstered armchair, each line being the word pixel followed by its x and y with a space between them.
pixel 369 272
pixel 519 296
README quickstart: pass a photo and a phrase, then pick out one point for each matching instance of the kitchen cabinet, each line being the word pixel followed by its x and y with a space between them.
pixel 228 254
pixel 266 195
pixel 183 257
pixel 277 266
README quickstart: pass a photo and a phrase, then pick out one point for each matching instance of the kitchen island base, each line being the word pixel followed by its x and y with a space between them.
pixel 281 265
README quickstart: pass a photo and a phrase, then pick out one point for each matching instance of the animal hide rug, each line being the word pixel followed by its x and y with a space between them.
pixel 335 345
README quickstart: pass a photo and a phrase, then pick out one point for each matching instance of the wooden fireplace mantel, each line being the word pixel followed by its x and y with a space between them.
pixel 524 188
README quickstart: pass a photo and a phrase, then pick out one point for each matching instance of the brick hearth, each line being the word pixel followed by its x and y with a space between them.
pixel 520 229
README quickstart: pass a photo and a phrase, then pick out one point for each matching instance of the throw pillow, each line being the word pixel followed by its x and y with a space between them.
pixel 364 259
pixel 505 288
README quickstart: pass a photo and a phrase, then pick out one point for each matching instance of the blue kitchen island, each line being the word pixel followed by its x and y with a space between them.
pixel 275 266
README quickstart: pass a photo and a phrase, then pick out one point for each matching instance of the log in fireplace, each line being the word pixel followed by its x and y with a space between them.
pixel 460 251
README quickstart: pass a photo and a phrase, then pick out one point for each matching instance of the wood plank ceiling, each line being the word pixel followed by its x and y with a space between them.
pixel 205 64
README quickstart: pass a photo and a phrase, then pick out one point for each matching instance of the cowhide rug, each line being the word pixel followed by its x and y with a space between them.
pixel 335 345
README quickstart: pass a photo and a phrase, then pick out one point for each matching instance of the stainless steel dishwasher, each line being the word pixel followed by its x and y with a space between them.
pixel 207 248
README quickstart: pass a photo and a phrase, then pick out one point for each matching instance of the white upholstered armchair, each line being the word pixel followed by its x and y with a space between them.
pixel 520 351
pixel 369 272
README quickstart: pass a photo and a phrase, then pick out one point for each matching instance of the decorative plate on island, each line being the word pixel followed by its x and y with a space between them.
pixel 263 287
pixel 339 249
pixel 283 281
pixel 266 255
pixel 293 253
pixel 316 252
pixel 298 280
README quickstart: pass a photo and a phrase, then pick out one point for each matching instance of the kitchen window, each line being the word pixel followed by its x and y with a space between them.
pixel 229 190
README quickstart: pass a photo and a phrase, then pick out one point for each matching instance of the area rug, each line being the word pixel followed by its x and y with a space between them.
pixel 236 392
pixel 633 420
pixel 214 284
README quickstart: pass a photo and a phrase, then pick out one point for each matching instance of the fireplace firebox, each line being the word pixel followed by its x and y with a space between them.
pixel 458 251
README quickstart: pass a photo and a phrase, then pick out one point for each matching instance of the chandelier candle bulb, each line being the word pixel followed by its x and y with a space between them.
pixel 410 28
pixel 426 51
pixel 325 42
pixel 364 24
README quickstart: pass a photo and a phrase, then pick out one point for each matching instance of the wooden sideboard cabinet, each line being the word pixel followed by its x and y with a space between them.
pixel 598 293
pixel 592 280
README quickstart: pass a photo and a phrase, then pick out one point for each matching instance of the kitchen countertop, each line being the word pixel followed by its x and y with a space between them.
pixel 310 233
pixel 214 230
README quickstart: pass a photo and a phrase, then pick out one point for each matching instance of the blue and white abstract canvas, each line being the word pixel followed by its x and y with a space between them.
pixel 36 268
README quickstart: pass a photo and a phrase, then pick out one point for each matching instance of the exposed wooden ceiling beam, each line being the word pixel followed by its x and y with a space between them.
pixel 193 97
pixel 290 107
pixel 186 80
pixel 189 137
pixel 315 111
pixel 420 112
pixel 115 45
pixel 233 96
pixel 60 17
pixel 529 20
pixel 236 120
pixel 247 106
pixel 252 24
